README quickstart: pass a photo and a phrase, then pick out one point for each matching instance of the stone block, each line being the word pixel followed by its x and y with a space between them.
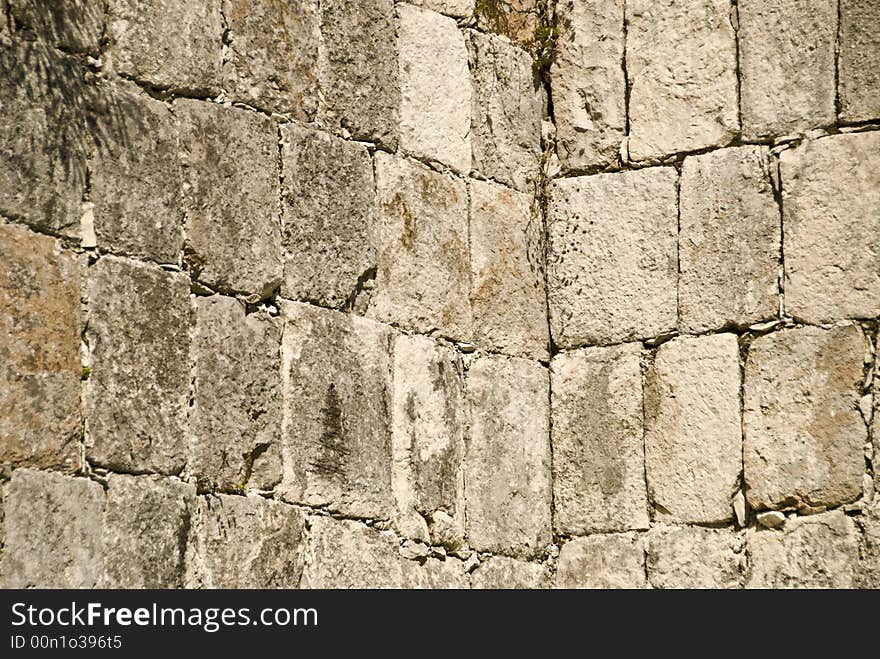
pixel 435 104
pixel 172 44
pixel 507 111
pixel 336 375
pixel 74 25
pixel 695 557
pixel 785 86
pixel 507 461
pixel 588 84
pixel 598 440
pixel 517 20
pixel 508 573
pixel 145 530
pixel 803 433
pixel 360 86
pixel 423 273
pixel 682 72
pixel 230 171
pixel 859 60
pixel 327 216
pixel 435 574
pixel 428 425
pixel 245 542
pixel 602 561
pixel 831 215
pixel 820 551
pixel 693 431
pixel 508 296
pixel 729 242
pixel 867 574
pixel 456 8
pixel 53 531
pixel 40 369
pixel 235 417
pixel 612 262
pixel 138 389
pixel 136 176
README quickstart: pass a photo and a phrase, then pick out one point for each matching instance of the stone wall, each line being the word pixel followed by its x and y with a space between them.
pixel 439 294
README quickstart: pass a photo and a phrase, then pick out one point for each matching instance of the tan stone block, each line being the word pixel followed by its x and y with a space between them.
pixel 859 60
pixel 602 561
pixel 515 19
pixel 695 557
pixel 508 573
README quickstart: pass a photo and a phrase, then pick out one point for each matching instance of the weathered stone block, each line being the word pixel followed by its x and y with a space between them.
pixel 785 86
pixel 859 60
pixel 435 107
pixel 695 557
pixel 820 551
pixel 42 138
pixel 138 389
pixel 729 241
pixel 457 8
pixel 230 169
pixel 68 24
pixel 681 66
pixel 174 44
pixel 428 426
pixel 598 440
pixel 602 561
pixel 53 531
pixel 145 530
pixel 328 216
pixel 360 87
pixel 693 433
pixel 803 434
pixel 423 273
pixel 507 290
pixel 136 176
pixel 336 377
pixel 831 211
pixel 589 89
pixel 40 369
pixel 448 574
pixel 245 542
pixel 509 573
pixel 272 57
pixel 507 463
pixel 235 418
pixel 507 111
pixel 612 263
pixel 867 574
pixel 516 19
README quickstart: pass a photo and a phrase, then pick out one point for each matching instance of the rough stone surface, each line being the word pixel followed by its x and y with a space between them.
pixel 428 426
pixel 507 463
pixel 859 60
pixel 695 557
pixel 68 24
pixel 136 176
pixel 245 542
pixel 602 561
pixel 435 108
pixel 507 110
pixel 693 434
pixel 328 216
pixel 423 273
pixel 785 86
pixel 360 87
pixel 831 206
pixel 729 240
pixel 42 139
pixel 589 88
pixel 681 66
pixel 230 168
pixel 803 434
pixel 235 418
pixel 448 574
pixel 507 289
pixel 508 573
pixel 53 532
pixel 457 8
pixel 174 44
pixel 515 19
pixel 820 551
pixel 145 531
pixel 598 440
pixel 139 383
pixel 40 418
pixel 868 572
pixel 336 374
pixel 612 261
